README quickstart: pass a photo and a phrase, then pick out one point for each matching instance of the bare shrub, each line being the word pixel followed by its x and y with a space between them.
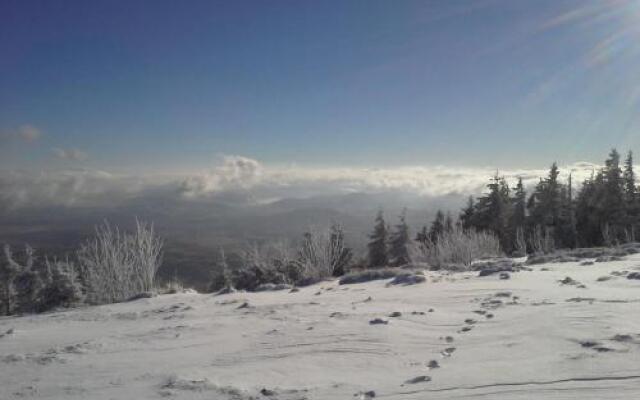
pixel 321 254
pixel 459 247
pixel 271 262
pixel 117 265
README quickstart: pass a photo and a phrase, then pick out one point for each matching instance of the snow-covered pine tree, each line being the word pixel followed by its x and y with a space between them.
pixel 377 247
pixel 399 243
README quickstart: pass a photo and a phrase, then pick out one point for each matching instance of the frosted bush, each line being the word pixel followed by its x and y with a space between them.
pixel 457 247
pixel 118 265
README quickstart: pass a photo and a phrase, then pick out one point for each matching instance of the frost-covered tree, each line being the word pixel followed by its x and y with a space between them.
pixel 631 197
pixel 492 211
pixel 339 254
pixel 437 227
pixel 399 243
pixel 116 265
pixel 9 271
pixel 466 216
pixel 33 285
pixel 377 247
pixel 519 205
pixel 62 287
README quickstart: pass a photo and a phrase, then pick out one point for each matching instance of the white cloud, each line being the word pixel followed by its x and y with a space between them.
pixel 240 173
pixel 236 172
pixel 70 154
pixel 64 188
pixel 239 179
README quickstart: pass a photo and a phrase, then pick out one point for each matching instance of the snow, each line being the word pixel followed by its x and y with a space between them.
pixel 553 341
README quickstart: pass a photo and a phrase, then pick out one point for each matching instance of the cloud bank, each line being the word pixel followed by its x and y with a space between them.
pixel 247 180
pixel 25 189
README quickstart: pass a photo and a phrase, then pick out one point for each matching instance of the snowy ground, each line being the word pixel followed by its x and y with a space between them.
pixel 529 337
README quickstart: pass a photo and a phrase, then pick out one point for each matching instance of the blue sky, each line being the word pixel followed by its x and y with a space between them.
pixel 169 86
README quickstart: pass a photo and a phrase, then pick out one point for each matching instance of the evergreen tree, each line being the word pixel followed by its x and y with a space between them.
pixel 340 255
pixel 9 271
pixel 631 197
pixel 467 214
pixel 423 235
pixel 437 226
pixel 545 204
pixel 399 243
pixel 517 229
pixel 492 212
pixel 519 205
pixel 612 200
pixel 629 176
pixel 587 212
pixel 569 229
pixel 377 247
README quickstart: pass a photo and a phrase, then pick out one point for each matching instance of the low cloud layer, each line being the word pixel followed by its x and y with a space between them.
pixel 239 173
pixel 243 178
pixel 23 189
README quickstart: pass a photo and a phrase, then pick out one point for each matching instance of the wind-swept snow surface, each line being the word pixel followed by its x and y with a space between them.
pixel 459 336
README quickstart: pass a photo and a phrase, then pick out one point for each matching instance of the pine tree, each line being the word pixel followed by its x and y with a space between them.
pixel 587 212
pixel 518 219
pixel 9 271
pixel 423 235
pixel 570 238
pixel 399 243
pixel 629 176
pixel 466 216
pixel 339 254
pixel 377 247
pixel 545 204
pixel 612 200
pixel 437 227
pixel 492 212
pixel 519 205
pixel 631 197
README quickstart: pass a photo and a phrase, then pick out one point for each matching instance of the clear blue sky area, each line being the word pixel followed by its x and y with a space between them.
pixel 170 84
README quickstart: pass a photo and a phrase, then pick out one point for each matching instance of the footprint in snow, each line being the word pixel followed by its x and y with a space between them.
pixel 365 395
pixel 418 379
pixel 448 351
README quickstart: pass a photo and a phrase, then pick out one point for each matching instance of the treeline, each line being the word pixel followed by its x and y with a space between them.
pixel 605 211
pixel 445 244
